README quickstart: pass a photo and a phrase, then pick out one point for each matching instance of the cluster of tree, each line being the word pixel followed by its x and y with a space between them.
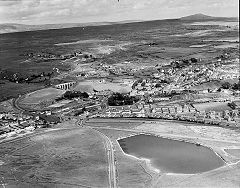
pixel 49 119
pixel 46 56
pixel 184 62
pixel 232 105
pixel 224 56
pixel 227 85
pixel 118 99
pixel 69 95
pixel 20 78
pixel 40 54
pixel 152 44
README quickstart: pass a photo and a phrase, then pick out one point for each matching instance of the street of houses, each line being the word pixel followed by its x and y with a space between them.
pixel 174 112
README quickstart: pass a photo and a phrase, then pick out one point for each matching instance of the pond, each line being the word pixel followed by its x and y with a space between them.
pixel 171 156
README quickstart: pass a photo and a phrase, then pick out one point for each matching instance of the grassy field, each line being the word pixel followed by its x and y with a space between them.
pixel 12 90
pixel 208 85
pixel 42 95
pixel 6 106
pixel 63 158
pixel 212 106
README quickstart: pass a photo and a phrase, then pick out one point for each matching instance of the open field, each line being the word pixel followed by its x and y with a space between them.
pixel 60 158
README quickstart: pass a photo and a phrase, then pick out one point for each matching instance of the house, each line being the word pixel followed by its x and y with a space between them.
pixel 126 113
pixel 138 113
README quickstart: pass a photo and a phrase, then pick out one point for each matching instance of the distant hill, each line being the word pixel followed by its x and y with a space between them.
pixel 13 27
pixel 198 17
pixel 203 17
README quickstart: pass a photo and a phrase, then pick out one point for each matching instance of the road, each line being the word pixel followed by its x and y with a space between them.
pixel 111 160
pixel 15 104
pixel 112 177
pixel 167 135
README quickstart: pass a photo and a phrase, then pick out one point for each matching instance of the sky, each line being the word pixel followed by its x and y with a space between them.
pixel 37 12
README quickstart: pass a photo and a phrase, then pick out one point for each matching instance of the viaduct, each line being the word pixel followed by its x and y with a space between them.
pixel 65 86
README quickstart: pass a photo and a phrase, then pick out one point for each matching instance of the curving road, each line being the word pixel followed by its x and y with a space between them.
pixel 112 177
pixel 111 161
pixel 15 104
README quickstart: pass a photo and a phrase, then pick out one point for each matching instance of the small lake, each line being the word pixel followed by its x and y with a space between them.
pixel 171 156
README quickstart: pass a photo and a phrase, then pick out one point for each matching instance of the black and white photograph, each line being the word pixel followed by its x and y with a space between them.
pixel 119 94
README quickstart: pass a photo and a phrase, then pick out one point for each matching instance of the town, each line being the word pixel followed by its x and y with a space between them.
pixel 178 91
pixel 120 104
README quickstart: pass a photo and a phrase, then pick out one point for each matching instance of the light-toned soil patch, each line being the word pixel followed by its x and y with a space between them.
pixel 221 178
pixel 234 152
pixel 59 104
pixel 227 46
pixel 208 85
pixel 229 39
pixel 196 33
pixel 101 86
pixel 108 49
pixel 221 23
pixel 82 42
pixel 199 45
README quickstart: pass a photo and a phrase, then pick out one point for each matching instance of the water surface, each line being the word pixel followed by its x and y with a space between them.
pixel 170 155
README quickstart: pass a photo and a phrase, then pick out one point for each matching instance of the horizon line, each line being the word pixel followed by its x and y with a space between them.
pixel 118 21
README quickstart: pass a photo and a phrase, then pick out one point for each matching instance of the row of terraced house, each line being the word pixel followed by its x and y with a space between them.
pixel 184 112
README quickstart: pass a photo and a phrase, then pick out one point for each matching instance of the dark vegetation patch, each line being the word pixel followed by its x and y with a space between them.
pixel 118 99
pixel 69 95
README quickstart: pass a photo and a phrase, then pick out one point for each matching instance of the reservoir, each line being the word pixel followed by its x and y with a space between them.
pixel 171 156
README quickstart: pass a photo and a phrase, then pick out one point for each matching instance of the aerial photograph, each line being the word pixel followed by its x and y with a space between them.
pixel 119 94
